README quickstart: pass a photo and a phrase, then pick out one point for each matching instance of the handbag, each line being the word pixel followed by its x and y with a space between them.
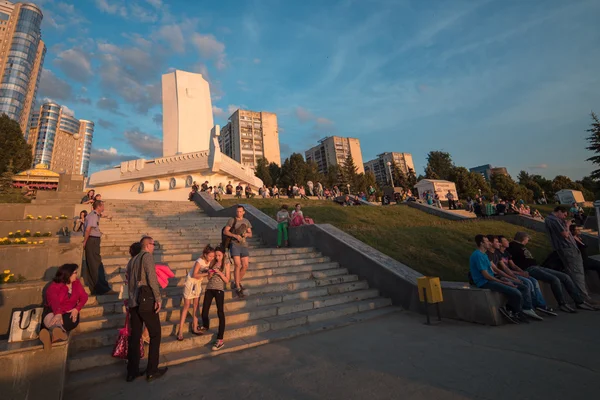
pixel 25 325
pixel 122 344
pixel 145 296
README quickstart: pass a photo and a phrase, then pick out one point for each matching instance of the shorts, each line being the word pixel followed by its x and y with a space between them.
pixel 238 251
pixel 192 288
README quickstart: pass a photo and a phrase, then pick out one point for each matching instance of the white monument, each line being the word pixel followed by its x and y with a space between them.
pixel 187 113
pixel 191 150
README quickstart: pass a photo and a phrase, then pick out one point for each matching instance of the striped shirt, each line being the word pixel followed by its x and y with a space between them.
pixel 216 282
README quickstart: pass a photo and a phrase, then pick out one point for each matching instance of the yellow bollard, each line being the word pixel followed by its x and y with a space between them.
pixel 430 292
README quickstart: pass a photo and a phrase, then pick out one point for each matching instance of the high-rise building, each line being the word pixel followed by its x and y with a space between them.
pixel 22 54
pixel 187 113
pixel 334 150
pixel 249 136
pixel 60 141
pixel 487 171
pixel 379 166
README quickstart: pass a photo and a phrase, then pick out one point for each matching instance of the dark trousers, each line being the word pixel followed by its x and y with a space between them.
pixel 557 279
pixel 513 296
pixel 452 204
pixel 95 276
pixel 219 296
pixel 137 320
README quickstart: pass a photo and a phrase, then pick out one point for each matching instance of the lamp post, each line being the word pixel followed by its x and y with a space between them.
pixel 389 164
pixel 544 196
pixel 348 186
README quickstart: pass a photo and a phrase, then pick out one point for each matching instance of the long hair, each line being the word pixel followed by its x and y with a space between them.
pixel 221 267
pixel 207 250
pixel 63 275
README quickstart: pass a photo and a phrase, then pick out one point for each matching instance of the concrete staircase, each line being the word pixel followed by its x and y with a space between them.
pixel 292 291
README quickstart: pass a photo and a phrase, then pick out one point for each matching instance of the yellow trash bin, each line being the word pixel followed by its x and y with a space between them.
pixel 433 287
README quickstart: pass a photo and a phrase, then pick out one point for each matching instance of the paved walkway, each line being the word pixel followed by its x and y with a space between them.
pixel 394 357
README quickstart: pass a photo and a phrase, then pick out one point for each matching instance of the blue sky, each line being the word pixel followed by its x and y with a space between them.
pixel 505 82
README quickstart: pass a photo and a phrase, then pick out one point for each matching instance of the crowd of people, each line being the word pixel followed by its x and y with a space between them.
pixel 510 268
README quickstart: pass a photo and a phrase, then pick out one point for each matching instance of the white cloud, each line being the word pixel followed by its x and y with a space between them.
pixel 76 64
pixel 110 156
pixel 303 114
pixel 111 7
pixel 66 110
pixel 218 112
pixel 109 104
pixel 54 87
pixel 539 166
pixel 155 3
pixel 209 47
pixel 173 35
pixel 232 108
pixel 147 145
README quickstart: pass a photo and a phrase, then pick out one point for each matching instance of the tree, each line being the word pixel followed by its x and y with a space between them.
pixel 312 173
pixel 398 176
pixel 293 170
pixel 564 182
pixel 262 171
pixel 13 146
pixel 594 141
pixel 275 172
pixel 332 178
pixel 469 184
pixel 6 178
pixel 411 178
pixel 508 189
pixel 439 165
pixel 363 181
pixel 527 180
pixel 349 175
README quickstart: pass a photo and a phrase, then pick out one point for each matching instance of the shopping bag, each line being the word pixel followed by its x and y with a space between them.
pixel 122 344
pixel 25 325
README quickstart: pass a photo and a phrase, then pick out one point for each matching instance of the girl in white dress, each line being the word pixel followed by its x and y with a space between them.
pixel 193 288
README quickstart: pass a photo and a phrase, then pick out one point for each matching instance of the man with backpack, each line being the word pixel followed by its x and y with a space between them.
pixel 234 236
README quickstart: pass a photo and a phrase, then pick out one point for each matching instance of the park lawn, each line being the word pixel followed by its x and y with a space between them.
pixel 546 209
pixel 428 244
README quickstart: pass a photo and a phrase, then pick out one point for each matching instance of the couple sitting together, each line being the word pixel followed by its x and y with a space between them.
pixel 284 219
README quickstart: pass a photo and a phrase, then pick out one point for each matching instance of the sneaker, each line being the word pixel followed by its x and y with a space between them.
pixel 531 314
pixel 585 306
pixel 218 345
pixel 593 305
pixel 547 310
pixel 233 287
pixel 521 317
pixel 567 308
pixel 240 293
pixel 508 315
pixel 45 338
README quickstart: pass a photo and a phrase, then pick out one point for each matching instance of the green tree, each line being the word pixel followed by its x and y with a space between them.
pixel 363 181
pixel 332 177
pixel 293 170
pixel 349 174
pixel 399 176
pixel 528 181
pixel 508 189
pixel 439 165
pixel 13 146
pixel 594 141
pixel 312 173
pixel 262 171
pixel 590 188
pixel 6 178
pixel 564 182
pixel 411 178
pixel 469 184
pixel 275 172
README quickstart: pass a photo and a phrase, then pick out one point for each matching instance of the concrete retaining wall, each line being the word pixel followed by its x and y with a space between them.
pixel 16 296
pixel 438 212
pixel 393 279
pixel 38 262
pixel 42 226
pixel 11 212
pixel 31 373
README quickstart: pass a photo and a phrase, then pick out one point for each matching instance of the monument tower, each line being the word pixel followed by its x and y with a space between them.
pixel 187 113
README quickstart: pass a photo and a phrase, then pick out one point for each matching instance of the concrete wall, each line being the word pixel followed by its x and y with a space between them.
pixel 31 373
pixel 394 279
pixel 37 262
pixel 438 212
pixel 17 296
pixel 12 212
pixel 34 226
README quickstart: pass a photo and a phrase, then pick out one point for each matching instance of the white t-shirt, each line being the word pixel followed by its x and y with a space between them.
pixel 203 265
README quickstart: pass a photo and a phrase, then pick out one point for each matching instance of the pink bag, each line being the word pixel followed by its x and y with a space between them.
pixel 122 344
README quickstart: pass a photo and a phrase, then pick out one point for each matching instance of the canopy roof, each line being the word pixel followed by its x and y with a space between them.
pixel 39 173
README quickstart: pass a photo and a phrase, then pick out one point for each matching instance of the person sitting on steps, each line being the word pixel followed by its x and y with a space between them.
pixel 65 298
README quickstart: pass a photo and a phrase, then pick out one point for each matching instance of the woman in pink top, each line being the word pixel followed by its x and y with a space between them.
pixel 65 297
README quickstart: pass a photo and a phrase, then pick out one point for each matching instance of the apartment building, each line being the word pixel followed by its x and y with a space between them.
pixel 379 166
pixel 60 141
pixel 249 136
pixel 334 150
pixel 22 54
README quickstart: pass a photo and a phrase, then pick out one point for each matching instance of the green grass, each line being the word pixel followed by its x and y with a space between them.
pixel 428 244
pixel 546 209
pixel 13 196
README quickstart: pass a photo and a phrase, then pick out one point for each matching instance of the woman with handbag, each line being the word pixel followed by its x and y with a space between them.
pixel 65 297
pixel 144 305
pixel 193 288
pixel 218 277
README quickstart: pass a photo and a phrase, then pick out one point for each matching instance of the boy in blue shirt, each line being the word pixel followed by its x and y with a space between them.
pixel 483 277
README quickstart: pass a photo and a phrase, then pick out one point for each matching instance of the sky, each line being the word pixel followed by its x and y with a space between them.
pixel 504 82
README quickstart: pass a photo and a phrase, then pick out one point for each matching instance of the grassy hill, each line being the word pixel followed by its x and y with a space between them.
pixel 431 245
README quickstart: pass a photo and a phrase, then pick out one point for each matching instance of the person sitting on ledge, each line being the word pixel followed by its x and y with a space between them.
pixel 501 208
pixel 523 258
pixel 65 297
pixel 483 277
pixel 229 188
pixel 239 189
pixel 536 214
pixel 248 191
pixel 577 212
pixel 89 197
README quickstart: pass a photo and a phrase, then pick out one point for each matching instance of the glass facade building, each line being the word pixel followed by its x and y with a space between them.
pixel 22 54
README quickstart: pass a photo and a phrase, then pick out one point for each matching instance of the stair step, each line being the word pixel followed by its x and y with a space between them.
pixel 174 301
pixel 102 355
pixel 118 370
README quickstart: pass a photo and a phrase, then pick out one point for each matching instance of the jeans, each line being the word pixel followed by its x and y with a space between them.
pixel 556 280
pixel 282 232
pixel 137 320
pixel 513 295
pixel 525 290
pixel 573 265
pixel 219 296
pixel 537 298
